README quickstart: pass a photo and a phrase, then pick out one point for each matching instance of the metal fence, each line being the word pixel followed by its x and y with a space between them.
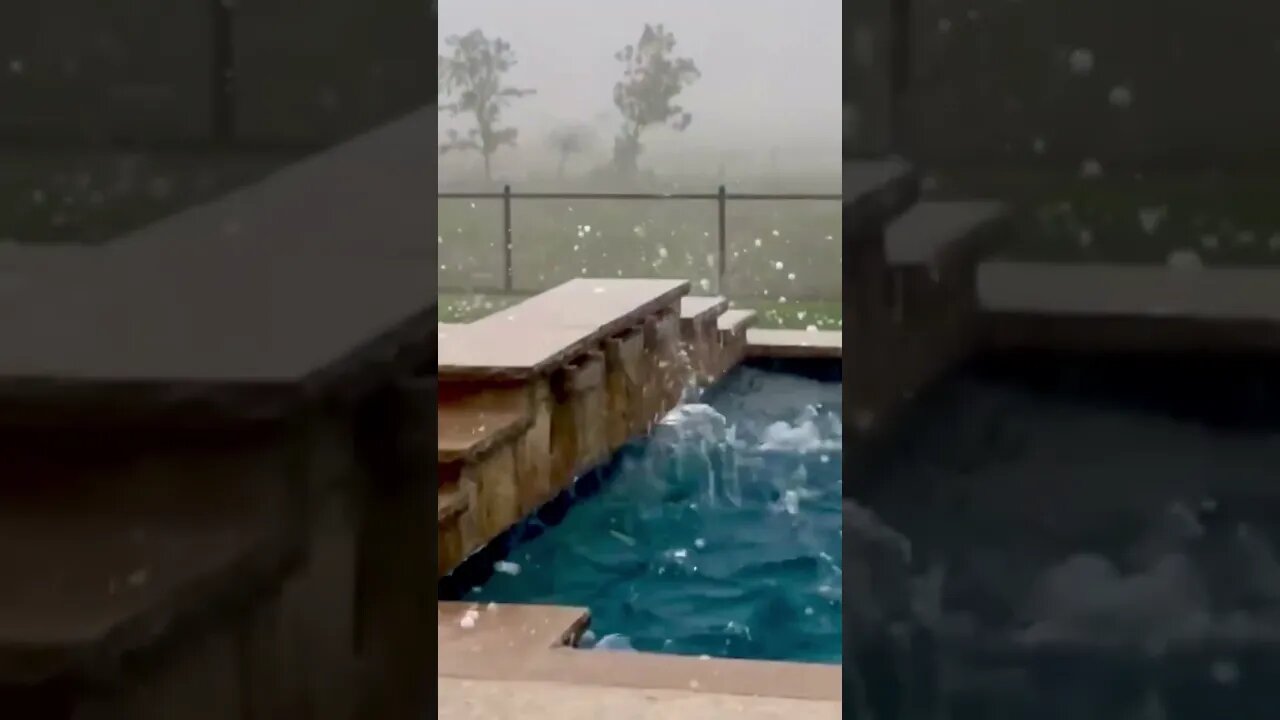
pixel 721 197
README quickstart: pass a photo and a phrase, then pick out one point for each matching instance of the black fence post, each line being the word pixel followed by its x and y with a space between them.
pixel 721 200
pixel 507 279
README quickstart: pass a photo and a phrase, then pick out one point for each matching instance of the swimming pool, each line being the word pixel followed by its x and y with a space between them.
pixel 1077 538
pixel 719 535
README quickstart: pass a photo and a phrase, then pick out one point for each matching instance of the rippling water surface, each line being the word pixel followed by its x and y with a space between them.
pixel 1058 540
pixel 719 535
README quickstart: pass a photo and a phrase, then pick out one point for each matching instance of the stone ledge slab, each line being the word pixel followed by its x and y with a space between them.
pixel 550 329
pixel 930 233
pixel 874 193
pixel 487 699
pixel 794 343
pixel 295 287
pixel 1154 291
pixel 469 426
pixel 534 643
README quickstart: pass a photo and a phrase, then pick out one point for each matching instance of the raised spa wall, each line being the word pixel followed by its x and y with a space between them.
pixel 512 437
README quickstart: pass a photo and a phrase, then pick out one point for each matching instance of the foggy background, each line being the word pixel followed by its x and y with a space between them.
pixel 768 96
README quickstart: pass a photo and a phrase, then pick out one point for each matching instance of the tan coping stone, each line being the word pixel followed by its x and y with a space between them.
pixel 551 328
pixel 736 320
pixel 532 643
pixel 470 425
pixel 1155 291
pixel 693 307
pixel 875 191
pixel 309 298
pixel 517 352
pixel 501 634
pixel 605 305
pixel 801 681
pixel 484 700
pixel 794 343
pixel 936 233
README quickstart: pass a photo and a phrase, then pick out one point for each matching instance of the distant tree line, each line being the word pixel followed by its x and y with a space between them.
pixel 472 83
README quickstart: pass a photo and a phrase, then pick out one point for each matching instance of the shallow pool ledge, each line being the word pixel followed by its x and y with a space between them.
pixel 533 644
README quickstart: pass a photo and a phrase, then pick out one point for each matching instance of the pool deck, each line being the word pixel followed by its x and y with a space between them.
pixel 488 699
pixel 500 660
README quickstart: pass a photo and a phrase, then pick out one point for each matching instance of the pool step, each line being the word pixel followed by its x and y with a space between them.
pixel 929 319
pixel 700 307
pixel 938 233
pixel 470 421
pixel 699 333
pixel 731 347
pixel 800 344
pixel 1130 308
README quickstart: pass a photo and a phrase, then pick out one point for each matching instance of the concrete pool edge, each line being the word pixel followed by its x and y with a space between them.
pixel 532 643
pixel 462 699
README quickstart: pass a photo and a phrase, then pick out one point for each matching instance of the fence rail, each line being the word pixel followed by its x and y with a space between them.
pixel 721 198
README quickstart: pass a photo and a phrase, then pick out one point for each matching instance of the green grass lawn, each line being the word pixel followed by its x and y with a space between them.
pixel 466 307
pixel 92 196
pixel 774 249
pixel 783 257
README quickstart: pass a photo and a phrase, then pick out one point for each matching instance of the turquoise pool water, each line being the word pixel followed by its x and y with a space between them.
pixel 720 535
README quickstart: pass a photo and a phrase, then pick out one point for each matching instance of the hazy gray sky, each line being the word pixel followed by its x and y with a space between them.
pixel 771 70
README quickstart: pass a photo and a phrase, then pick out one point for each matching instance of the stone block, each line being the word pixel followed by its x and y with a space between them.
pixel 691 344
pixel 564 432
pixel 533 451
pixel 732 349
pixel 667 376
pixel 625 363
pixel 273 662
pixel 497 497
pixel 319 600
pixel 589 395
pixel 708 346
pixel 449 549
pixel 418 398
